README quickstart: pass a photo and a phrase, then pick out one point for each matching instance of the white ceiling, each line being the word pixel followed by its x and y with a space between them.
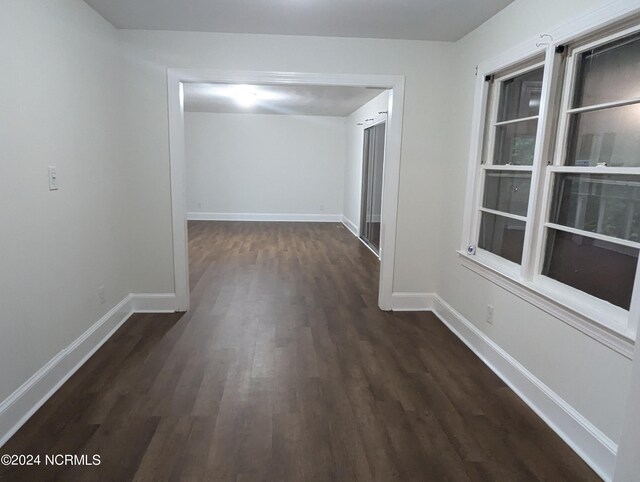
pixel 447 20
pixel 276 99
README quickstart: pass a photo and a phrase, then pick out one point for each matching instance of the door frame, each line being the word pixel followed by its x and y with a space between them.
pixel 177 159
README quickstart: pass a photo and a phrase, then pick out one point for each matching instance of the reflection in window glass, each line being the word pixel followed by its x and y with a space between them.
pixel 502 236
pixel 515 143
pixel 608 73
pixel 507 191
pixel 604 270
pixel 604 204
pixel 520 96
pixel 608 137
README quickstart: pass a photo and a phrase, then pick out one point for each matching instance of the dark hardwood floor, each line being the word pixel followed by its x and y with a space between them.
pixel 285 369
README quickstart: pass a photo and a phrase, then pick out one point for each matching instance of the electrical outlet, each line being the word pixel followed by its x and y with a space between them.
pixel 321 208
pixel 101 295
pixel 490 314
pixel 199 205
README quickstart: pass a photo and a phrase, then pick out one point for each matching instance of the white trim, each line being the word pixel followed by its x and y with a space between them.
pixel 627 460
pixel 178 181
pixel 606 105
pixel 593 446
pixel 18 407
pixel 590 443
pixel 412 301
pixel 473 167
pixel 366 245
pixel 546 128
pixel 592 235
pixel 154 303
pixel 615 339
pixel 508 59
pixel 598 170
pixel 507 167
pixel 516 73
pixel 276 217
pixel 391 178
pixel 354 230
pixel 598 19
pixel 516 217
pixel 515 121
pixel 351 226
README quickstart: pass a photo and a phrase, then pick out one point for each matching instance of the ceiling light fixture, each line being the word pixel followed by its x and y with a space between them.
pixel 245 95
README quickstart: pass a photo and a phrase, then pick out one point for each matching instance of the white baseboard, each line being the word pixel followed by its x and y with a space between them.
pixel 593 446
pixel 16 409
pixel 312 218
pixel 153 302
pixel 21 404
pixel 412 301
pixel 350 226
pixel 356 232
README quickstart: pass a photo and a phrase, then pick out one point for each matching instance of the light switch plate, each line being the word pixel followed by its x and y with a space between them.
pixel 53 179
pixel 490 314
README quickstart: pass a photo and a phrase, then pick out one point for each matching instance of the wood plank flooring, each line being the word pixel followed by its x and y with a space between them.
pixel 285 369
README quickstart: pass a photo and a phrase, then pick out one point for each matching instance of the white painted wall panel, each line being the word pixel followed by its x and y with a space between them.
pixel 61 106
pixel 260 163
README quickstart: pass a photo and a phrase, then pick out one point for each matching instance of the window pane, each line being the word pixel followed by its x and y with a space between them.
pixel 520 96
pixel 609 136
pixel 507 191
pixel 608 73
pixel 604 204
pixel 515 143
pixel 604 270
pixel 502 236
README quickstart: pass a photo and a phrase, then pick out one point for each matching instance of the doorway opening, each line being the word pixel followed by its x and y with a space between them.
pixel 382 227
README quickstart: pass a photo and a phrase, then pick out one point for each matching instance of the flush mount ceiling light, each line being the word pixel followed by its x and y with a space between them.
pixel 245 95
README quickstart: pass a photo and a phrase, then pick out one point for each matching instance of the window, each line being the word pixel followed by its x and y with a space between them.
pixel 557 175
pixel 507 165
pixel 592 229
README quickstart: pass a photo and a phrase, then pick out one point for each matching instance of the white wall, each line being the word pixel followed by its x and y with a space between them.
pixel 61 106
pixel 260 163
pixel 589 376
pixel 150 53
pixel 628 461
pixel 354 161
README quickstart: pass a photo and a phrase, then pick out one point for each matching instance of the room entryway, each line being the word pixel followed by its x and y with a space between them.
pixel 380 229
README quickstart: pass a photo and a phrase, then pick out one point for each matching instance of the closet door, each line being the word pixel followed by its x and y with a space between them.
pixel 376 185
pixel 372 176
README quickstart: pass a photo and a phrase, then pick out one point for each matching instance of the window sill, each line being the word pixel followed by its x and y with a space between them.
pixel 613 335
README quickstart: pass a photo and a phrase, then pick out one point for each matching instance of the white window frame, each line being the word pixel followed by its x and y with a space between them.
pixel 603 321
pixel 487 155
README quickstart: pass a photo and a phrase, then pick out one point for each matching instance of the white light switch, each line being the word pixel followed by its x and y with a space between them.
pixel 490 314
pixel 53 179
